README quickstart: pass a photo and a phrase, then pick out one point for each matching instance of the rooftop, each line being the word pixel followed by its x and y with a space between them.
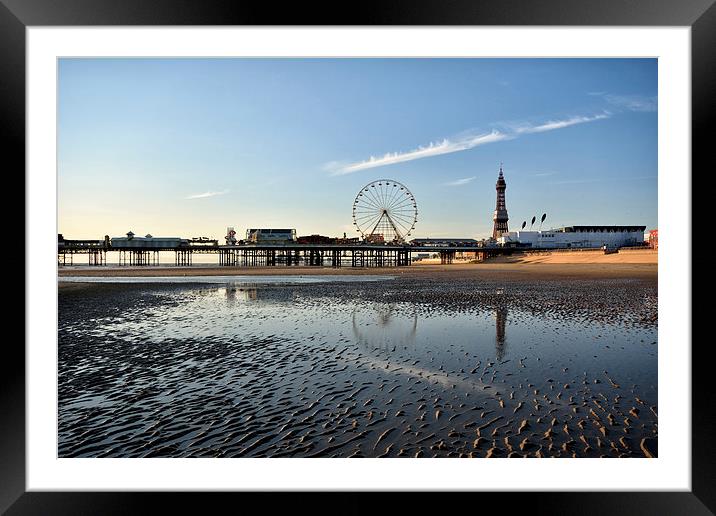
pixel 613 229
pixel 435 240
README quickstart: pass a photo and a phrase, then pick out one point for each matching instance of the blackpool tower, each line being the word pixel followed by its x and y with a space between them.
pixel 500 217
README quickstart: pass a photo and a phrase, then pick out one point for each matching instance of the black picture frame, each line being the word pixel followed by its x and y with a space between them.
pixel 16 15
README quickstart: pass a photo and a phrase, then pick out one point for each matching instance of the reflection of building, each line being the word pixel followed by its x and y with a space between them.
pixel 234 294
pixel 500 320
pixel 245 292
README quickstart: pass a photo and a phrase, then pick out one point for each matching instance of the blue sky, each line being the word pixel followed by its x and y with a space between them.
pixel 187 147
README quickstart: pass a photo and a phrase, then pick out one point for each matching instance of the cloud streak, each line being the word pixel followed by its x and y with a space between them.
pixel 433 149
pixel 448 146
pixel 459 182
pixel 633 102
pixel 551 125
pixel 576 181
pixel 206 194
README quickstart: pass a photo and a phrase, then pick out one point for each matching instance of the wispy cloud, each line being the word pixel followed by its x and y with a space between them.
pixel 544 174
pixel 457 144
pixel 462 181
pixel 433 149
pixel 551 125
pixel 633 102
pixel 332 166
pixel 600 180
pixel 206 194
pixel 576 181
pixel 643 103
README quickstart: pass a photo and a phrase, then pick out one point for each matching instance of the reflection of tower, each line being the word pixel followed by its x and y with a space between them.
pixel 500 320
pixel 500 217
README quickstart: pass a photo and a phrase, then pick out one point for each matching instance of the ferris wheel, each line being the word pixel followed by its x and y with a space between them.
pixel 385 211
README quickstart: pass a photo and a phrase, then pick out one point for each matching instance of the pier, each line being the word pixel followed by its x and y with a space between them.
pixel 268 255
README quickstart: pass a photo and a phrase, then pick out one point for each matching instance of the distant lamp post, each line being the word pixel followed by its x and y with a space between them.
pixel 544 216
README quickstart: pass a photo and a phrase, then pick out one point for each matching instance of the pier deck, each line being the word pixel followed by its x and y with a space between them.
pixel 261 255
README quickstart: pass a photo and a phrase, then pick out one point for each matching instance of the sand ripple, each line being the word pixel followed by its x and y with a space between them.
pixel 414 368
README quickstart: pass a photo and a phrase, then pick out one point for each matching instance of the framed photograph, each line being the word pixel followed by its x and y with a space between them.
pixel 391 252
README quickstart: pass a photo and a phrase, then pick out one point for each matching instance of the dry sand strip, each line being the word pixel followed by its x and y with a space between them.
pixel 591 256
pixel 492 269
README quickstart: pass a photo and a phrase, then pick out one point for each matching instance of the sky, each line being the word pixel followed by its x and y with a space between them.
pixel 186 147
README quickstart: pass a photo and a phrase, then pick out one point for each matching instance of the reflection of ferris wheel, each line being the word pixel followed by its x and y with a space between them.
pixel 382 327
pixel 385 211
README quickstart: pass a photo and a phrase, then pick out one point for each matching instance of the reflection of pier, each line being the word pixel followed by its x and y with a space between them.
pixel 500 320
pixel 247 292
pixel 383 328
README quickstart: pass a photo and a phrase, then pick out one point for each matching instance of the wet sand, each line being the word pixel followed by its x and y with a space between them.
pixel 446 361
pixel 494 270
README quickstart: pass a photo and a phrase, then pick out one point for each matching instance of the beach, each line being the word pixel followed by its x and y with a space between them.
pixel 584 264
pixel 502 359
pixel 284 258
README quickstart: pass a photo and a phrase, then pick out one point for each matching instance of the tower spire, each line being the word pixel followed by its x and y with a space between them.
pixel 500 218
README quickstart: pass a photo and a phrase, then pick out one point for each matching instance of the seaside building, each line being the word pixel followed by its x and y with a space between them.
pixel 654 238
pixel 148 241
pixel 315 239
pixel 230 236
pixel 271 236
pixel 348 240
pixel 441 242
pixel 375 238
pixel 500 218
pixel 449 242
pixel 575 237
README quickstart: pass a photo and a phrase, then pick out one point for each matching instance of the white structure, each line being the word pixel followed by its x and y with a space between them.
pixel 230 236
pixel 271 236
pixel 576 237
pixel 442 242
pixel 148 241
